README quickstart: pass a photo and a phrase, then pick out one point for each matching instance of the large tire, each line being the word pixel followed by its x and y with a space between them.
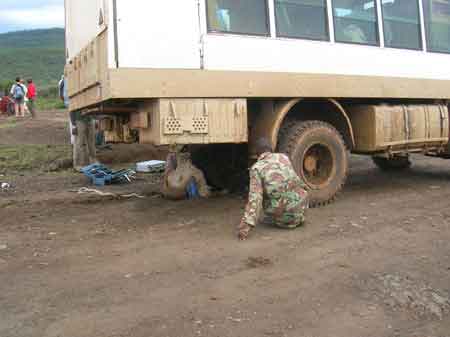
pixel 319 156
pixel 396 163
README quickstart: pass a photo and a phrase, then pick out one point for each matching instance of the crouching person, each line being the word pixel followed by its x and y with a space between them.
pixel 83 130
pixel 179 175
pixel 276 190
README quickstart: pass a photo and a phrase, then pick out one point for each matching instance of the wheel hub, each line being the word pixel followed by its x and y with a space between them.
pixel 318 165
pixel 310 163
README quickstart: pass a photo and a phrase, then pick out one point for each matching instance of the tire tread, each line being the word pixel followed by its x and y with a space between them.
pixel 293 130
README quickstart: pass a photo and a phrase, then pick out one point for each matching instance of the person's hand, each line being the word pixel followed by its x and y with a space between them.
pixel 243 235
pixel 74 131
pixel 244 230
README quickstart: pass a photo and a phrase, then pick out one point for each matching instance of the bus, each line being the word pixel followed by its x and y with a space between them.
pixel 320 79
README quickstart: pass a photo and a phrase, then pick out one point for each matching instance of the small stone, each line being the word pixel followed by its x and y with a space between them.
pixel 356 225
pixel 435 310
pixel 3 247
pixel 128 275
pixel 235 320
pixel 52 233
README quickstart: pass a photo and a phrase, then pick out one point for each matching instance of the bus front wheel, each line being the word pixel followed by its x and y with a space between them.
pixel 319 156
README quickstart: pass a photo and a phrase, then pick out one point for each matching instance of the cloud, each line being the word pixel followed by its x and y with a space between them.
pixel 48 14
pixel 28 4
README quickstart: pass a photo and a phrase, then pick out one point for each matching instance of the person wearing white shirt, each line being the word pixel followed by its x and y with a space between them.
pixel 18 93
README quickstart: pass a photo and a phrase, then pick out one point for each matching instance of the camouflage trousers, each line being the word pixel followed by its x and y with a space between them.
pixel 286 217
pixel 288 221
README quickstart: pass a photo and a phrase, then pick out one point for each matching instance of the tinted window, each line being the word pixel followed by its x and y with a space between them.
pixel 238 16
pixel 401 24
pixel 302 19
pixel 437 24
pixel 355 21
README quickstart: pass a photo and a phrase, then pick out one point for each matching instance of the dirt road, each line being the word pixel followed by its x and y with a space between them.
pixel 375 263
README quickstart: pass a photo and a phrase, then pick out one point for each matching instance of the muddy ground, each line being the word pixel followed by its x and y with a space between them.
pixel 375 263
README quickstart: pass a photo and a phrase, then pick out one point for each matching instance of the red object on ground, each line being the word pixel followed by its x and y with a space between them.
pixel 4 102
pixel 31 94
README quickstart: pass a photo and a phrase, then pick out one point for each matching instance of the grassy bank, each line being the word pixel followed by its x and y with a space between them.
pixel 49 103
pixel 31 157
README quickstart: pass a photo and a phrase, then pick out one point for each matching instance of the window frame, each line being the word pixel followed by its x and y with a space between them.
pixel 377 24
pixel 427 36
pixel 327 27
pixel 421 47
pixel 215 31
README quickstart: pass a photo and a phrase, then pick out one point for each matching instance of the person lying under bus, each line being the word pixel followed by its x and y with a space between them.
pixel 276 190
pixel 182 179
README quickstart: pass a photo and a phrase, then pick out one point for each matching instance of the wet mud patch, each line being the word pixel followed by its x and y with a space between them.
pixel 258 262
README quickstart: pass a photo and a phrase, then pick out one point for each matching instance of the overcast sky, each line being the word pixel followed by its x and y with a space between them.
pixel 30 14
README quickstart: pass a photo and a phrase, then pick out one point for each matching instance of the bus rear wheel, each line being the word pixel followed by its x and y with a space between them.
pixel 392 164
pixel 319 156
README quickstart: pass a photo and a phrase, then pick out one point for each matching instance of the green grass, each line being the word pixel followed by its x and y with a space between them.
pixel 31 157
pixel 46 103
pixel 9 124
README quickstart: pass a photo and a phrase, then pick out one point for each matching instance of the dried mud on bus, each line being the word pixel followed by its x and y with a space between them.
pixel 318 79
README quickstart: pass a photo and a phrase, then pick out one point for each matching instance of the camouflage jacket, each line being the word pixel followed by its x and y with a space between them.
pixel 276 189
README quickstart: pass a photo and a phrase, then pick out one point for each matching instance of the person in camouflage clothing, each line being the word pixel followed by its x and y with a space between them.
pixel 275 189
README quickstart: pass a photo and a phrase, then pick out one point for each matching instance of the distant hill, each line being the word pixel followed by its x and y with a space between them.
pixel 35 53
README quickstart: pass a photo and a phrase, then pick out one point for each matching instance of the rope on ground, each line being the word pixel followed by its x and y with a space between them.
pixel 85 190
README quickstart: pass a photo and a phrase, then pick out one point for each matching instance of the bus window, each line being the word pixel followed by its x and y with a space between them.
pixel 302 19
pixel 401 24
pixel 437 23
pixel 355 21
pixel 238 16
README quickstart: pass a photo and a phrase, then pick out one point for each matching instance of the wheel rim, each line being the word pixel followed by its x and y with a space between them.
pixel 318 166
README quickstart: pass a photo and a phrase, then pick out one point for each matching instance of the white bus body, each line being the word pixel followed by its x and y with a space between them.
pixel 173 34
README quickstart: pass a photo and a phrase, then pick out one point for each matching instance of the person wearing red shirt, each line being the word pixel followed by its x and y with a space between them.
pixel 31 95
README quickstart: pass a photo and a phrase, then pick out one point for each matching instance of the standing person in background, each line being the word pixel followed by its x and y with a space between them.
pixel 31 95
pixel 63 95
pixel 62 89
pixel 18 93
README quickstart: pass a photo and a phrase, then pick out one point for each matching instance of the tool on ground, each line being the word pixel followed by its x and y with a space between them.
pixel 101 175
